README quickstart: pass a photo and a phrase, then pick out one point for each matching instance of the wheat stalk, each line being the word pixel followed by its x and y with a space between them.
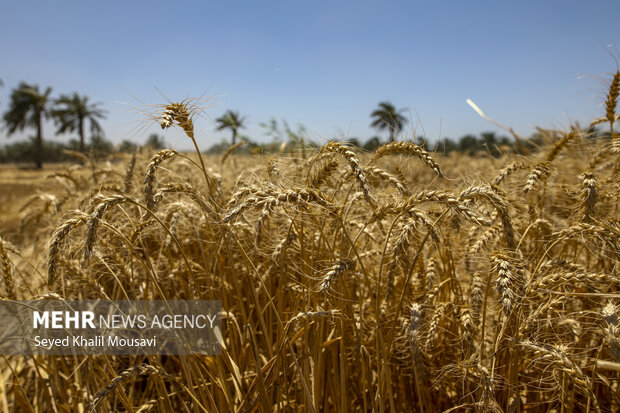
pixel 230 150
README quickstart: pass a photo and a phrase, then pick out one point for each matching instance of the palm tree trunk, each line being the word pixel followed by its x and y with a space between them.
pixel 38 144
pixel 391 135
pixel 234 137
pixel 81 126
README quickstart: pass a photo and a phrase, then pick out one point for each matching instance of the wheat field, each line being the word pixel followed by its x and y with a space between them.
pixel 399 280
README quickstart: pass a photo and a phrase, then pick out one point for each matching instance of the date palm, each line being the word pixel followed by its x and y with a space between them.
pixel 73 112
pixel 231 120
pixel 387 117
pixel 27 108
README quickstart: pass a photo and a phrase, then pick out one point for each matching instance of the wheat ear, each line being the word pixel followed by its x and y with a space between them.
pixel 58 237
pixel 150 180
pixel 538 174
pixel 333 272
pixel 6 265
pixel 140 370
pixel 612 332
pixel 408 148
pixel 94 219
pixel 356 168
pixel 612 100
pixel 558 358
pixel 587 202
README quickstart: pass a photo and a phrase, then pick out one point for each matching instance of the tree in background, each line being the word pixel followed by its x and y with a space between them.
pixel 272 129
pixel 293 140
pixel 155 142
pixel 468 144
pixel 127 146
pixel 231 120
pixel 489 141
pixel 372 143
pixel 387 117
pixel 447 145
pixel 28 107
pixel 100 147
pixel 73 113
pixel 421 141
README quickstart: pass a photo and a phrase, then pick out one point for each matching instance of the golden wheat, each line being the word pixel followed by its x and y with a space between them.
pixel 349 281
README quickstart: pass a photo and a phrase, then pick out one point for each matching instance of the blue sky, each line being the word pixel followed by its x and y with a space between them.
pixel 325 64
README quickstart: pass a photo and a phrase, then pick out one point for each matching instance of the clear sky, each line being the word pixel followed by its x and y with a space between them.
pixel 326 64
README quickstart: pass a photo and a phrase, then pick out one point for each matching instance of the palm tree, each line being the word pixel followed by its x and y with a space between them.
pixel 28 106
pixel 387 117
pixel 73 113
pixel 231 120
